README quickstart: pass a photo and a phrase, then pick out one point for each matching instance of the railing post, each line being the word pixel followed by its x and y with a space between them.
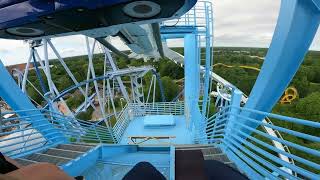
pixel 97 134
pixel 234 109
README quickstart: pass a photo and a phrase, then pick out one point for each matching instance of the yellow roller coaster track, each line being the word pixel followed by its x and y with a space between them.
pixel 241 66
pixel 290 94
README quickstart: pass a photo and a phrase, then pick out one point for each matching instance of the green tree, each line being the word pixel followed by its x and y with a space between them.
pixel 85 115
pixel 171 89
pixel 309 106
pixel 33 94
pixel 301 83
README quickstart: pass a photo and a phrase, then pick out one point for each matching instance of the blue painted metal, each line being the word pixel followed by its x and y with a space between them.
pixel 33 14
pixel 163 97
pixel 172 162
pixel 198 26
pixel 89 159
pixel 199 19
pixel 240 163
pixel 208 64
pixel 12 94
pixel 124 156
pixel 114 150
pixel 235 101
pixel 108 75
pixel 77 166
pixel 316 3
pixel 27 137
pixel 178 96
pixel 192 79
pixel 42 85
pixel 297 24
pixel 24 10
pixel 158 121
pixel 179 31
pixel 245 150
pixel 130 122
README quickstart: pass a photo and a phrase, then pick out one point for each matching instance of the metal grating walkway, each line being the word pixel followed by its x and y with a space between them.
pixel 59 155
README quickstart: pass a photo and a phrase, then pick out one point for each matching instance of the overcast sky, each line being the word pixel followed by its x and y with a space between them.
pixel 240 23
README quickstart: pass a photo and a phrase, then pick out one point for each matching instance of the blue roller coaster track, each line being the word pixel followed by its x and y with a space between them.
pixel 242 134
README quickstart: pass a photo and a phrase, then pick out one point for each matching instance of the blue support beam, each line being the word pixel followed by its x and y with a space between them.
pixel 192 79
pixel 176 32
pixel 177 29
pixel 18 101
pixel 163 97
pixel 208 66
pixel 297 25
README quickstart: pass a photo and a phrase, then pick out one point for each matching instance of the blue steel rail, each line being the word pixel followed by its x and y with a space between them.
pixel 19 136
pixel 254 153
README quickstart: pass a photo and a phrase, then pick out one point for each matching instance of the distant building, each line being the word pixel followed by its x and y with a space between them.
pixel 20 67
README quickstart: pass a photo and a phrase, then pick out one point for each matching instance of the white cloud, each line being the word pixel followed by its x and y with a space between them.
pixel 10 48
pixel 245 22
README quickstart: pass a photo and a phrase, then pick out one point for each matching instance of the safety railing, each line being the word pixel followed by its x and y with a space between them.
pixel 197 16
pixel 225 100
pixel 24 135
pixel 79 130
pixel 132 110
pixel 239 131
pixel 161 108
pixel 19 135
pixel 122 123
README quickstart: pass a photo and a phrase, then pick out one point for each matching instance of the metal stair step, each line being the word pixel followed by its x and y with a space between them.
pixel 219 157
pixel 59 155
pixel 74 147
pixel 233 165
pixel 37 157
pixel 86 144
pixel 25 162
pixel 207 151
pixel 193 146
pixel 63 153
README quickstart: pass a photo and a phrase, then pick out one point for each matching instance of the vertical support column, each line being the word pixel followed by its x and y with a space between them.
pixel 26 72
pixel 192 79
pixel 297 25
pixel 47 65
pixel 207 65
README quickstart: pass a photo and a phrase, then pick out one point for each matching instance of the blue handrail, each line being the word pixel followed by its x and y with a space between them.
pixel 227 129
pixel 20 136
